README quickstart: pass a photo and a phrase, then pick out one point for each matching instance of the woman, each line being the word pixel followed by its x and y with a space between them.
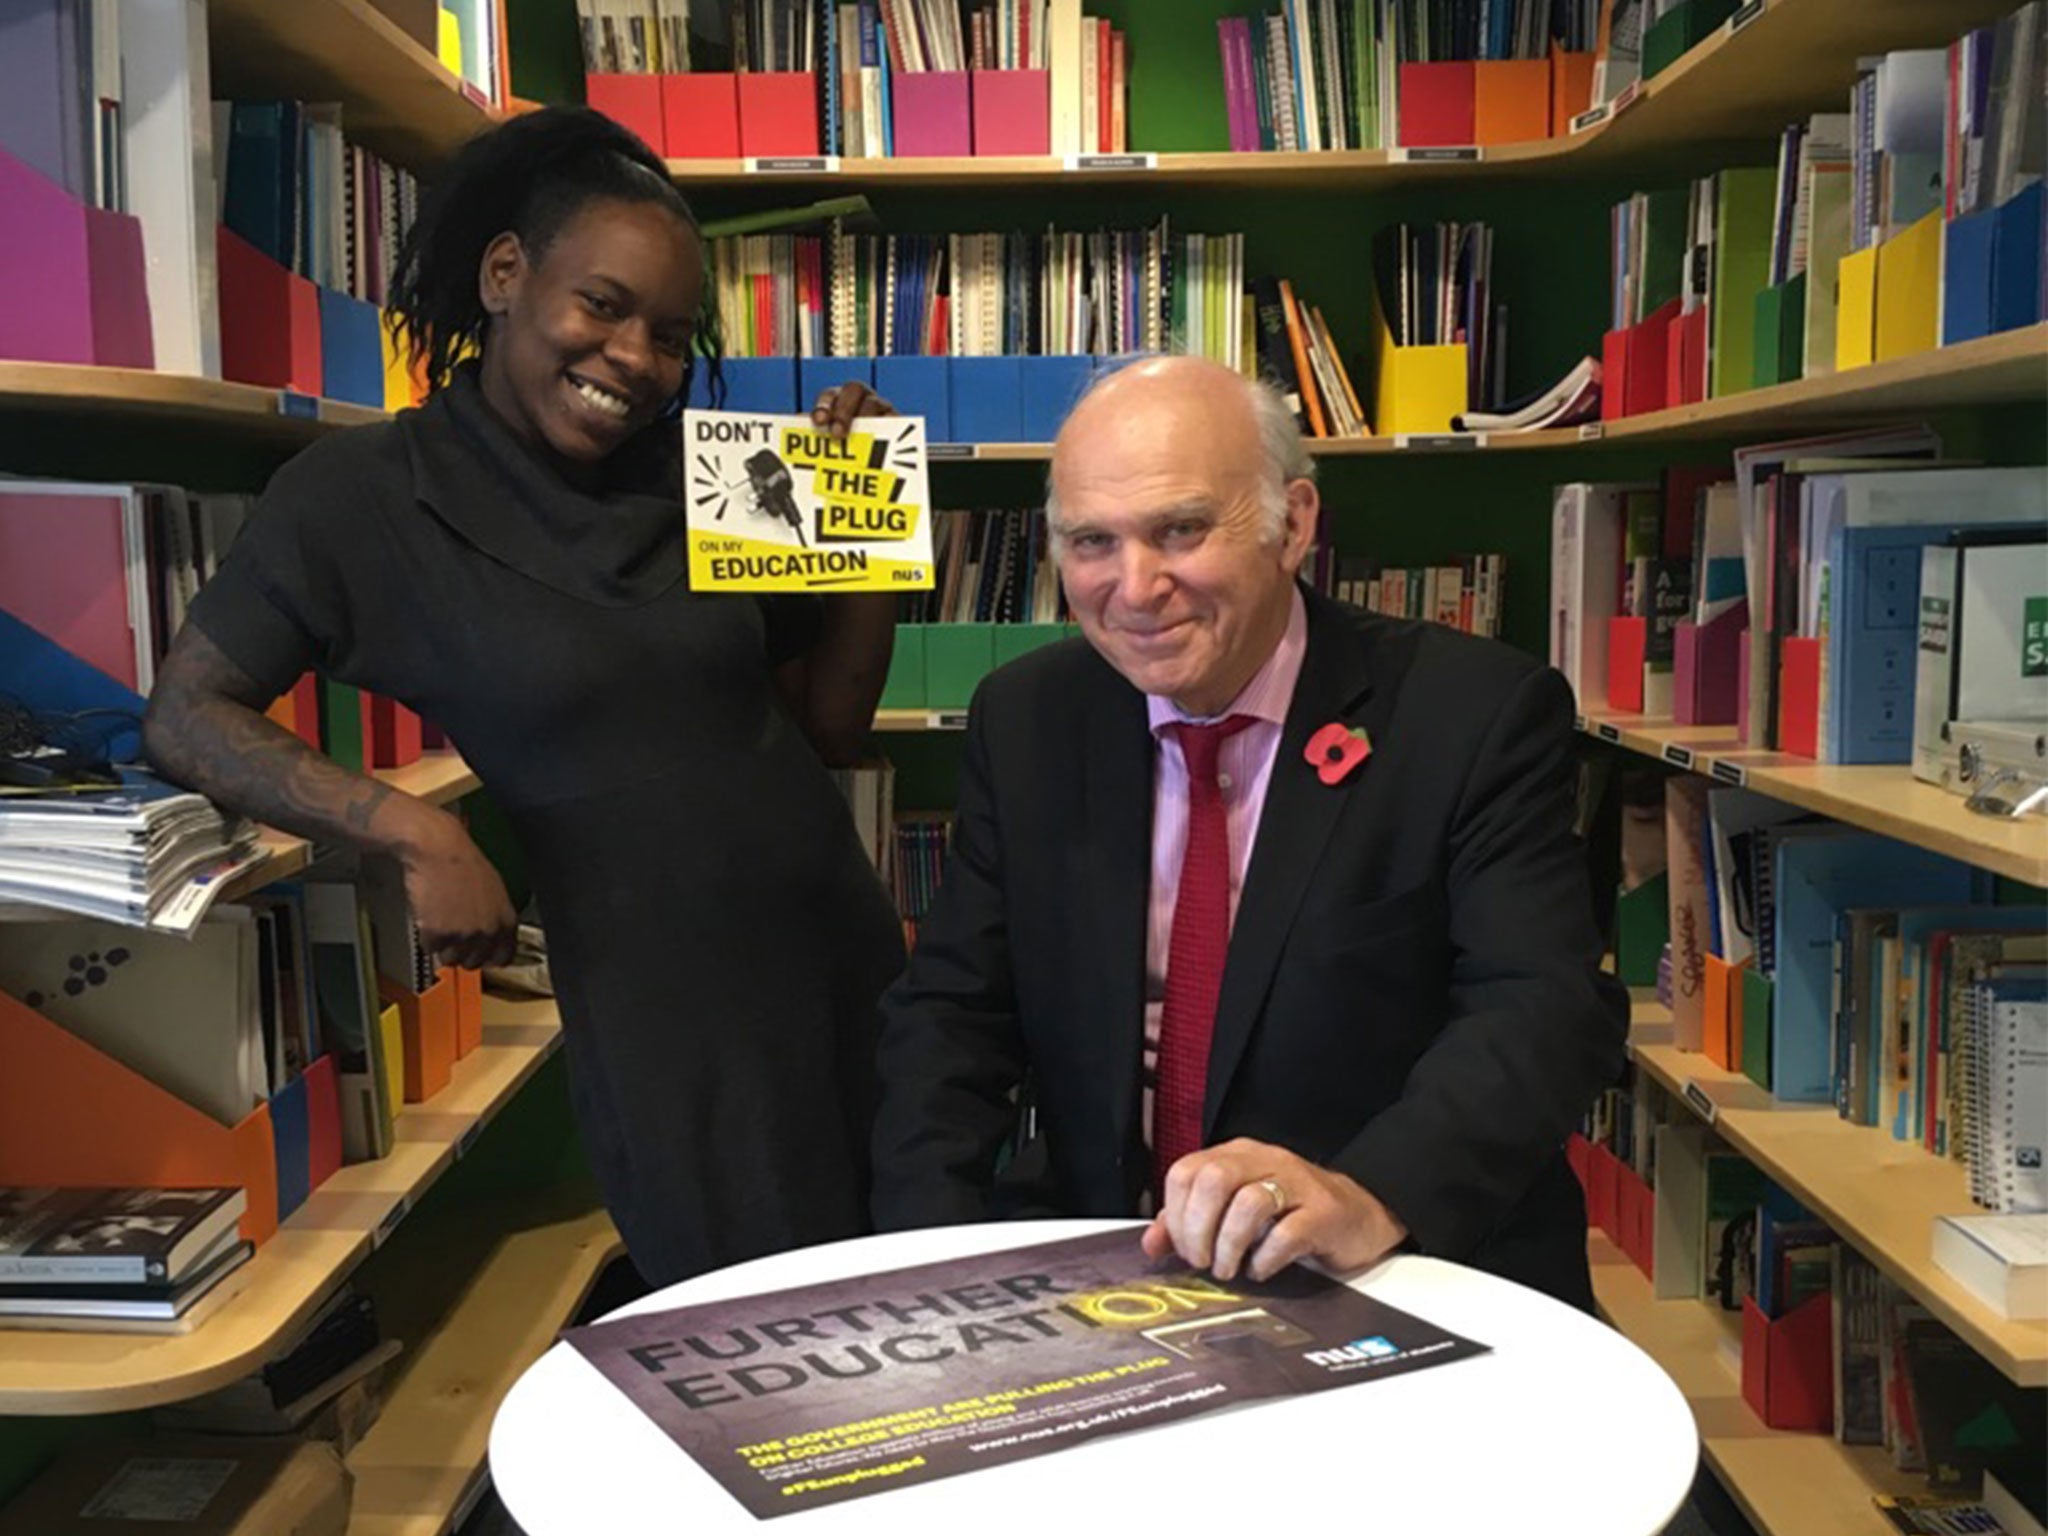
pixel 509 561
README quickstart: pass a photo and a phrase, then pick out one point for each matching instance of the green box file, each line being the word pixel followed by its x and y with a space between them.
pixel 904 687
pixel 956 658
pixel 1014 640
pixel 1780 333
pixel 1642 927
pixel 341 725
pixel 1756 1027
pixel 1684 27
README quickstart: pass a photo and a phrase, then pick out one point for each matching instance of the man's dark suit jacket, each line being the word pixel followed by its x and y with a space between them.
pixel 1411 995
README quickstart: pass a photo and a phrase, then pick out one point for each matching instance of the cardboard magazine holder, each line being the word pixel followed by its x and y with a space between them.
pixel 1012 112
pixel 700 116
pixel 1510 101
pixel 930 112
pixel 427 1028
pixel 1571 88
pixel 631 101
pixel 779 114
pixel 1788 1365
pixel 917 386
pixel 1436 105
pixel 1415 389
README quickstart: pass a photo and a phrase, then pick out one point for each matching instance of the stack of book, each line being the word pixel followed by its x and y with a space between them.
pixel 1433 285
pixel 116 1259
pixel 993 567
pixel 920 859
pixel 322 1383
pixel 1465 595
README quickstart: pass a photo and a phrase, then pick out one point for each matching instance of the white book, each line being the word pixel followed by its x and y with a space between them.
pixel 1588 525
pixel 1091 87
pixel 168 128
pixel 1063 49
pixel 2002 1260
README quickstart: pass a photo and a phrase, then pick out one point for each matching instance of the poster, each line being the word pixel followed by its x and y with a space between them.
pixel 810 1396
pixel 773 504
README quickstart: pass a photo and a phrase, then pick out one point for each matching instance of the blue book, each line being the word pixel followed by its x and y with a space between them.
pixel 1814 878
pixel 255 205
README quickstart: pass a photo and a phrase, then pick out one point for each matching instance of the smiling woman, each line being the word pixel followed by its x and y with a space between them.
pixel 508 560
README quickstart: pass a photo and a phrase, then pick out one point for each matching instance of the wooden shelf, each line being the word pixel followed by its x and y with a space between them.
pixel 475 1306
pixel 437 778
pixel 1771 63
pixel 1885 799
pixel 397 98
pixel 1881 1195
pixel 45 1373
pixel 1788 1484
pixel 176 398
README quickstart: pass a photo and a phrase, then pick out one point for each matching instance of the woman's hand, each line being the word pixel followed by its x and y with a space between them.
pixel 458 900
pixel 837 407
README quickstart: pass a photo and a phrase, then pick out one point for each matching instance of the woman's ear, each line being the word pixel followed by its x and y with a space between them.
pixel 500 273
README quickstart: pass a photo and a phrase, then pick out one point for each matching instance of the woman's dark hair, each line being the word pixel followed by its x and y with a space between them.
pixel 531 176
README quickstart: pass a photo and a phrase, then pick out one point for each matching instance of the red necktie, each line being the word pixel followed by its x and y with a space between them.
pixel 1195 953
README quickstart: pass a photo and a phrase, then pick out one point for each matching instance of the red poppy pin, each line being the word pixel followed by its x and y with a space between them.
pixel 1336 751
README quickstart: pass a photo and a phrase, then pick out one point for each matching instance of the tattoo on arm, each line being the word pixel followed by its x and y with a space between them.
pixel 206 730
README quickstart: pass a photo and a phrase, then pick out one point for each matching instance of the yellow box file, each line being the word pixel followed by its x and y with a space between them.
pixel 397 375
pixel 1855 309
pixel 451 43
pixel 1909 290
pixel 1415 389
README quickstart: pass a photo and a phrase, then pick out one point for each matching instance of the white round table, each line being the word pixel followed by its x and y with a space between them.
pixel 1565 1426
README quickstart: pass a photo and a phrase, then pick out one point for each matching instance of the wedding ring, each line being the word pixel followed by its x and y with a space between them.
pixel 1272 1187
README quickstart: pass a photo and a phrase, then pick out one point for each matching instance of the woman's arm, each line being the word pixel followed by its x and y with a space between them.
pixel 205 729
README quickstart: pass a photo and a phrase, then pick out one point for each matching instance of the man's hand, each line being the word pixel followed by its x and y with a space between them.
pixel 458 900
pixel 1220 1210
pixel 837 407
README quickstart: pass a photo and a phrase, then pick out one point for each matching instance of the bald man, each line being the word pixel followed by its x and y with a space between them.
pixel 1270 909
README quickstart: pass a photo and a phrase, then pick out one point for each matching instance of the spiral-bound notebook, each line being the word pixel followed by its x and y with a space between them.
pixel 2008 1131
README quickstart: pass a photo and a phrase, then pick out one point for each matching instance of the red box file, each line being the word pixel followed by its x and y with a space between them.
pixel 1613 375
pixel 1578 1153
pixel 269 320
pixel 1799 696
pixel 631 101
pixel 930 112
pixel 1602 1168
pixel 1634 1207
pixel 394 734
pixel 1627 645
pixel 779 114
pixel 1436 104
pixel 1685 360
pixel 1788 1365
pixel 1012 111
pixel 1648 350
pixel 700 117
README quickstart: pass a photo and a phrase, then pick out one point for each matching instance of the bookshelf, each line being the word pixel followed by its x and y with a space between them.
pixel 437 778
pixel 476 1308
pixel 1880 798
pixel 340 1225
pixel 1880 1195
pixel 398 99
pixel 129 394
pixel 1787 1483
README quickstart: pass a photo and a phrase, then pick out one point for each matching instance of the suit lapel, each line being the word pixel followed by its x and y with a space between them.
pixel 1295 828
pixel 1117 749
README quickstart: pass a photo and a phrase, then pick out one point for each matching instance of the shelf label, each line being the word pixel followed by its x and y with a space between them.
pixel 1423 154
pixel 1592 117
pixel 1143 162
pixel 1699 1099
pixel 946 720
pixel 1628 97
pixel 792 165
pixel 475 96
pixel 291 403
pixel 1578 722
pixel 1729 773
pixel 1438 442
pixel 936 451
pixel 467 1139
pixel 1607 732
pixel 1677 756
pixel 389 1224
pixel 1592 431
pixel 1745 16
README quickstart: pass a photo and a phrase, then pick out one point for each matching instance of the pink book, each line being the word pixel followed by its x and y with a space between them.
pixel 64 573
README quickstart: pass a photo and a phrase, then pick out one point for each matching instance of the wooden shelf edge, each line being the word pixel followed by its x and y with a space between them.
pixel 52 1374
pixel 1883 799
pixel 1852 1177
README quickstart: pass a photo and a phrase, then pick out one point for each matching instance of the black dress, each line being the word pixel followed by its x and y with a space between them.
pixel 716 936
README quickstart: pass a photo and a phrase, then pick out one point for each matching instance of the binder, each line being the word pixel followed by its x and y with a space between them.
pixel 1750 1034
pixel 1780 332
pixel 1909 290
pixel 1646 371
pixel 632 101
pixel 1510 100
pixel 1686 360
pixel 1436 104
pixel 700 116
pixel 917 386
pixel 1012 111
pixel 930 113
pixel 1856 310
pixel 395 735
pixel 779 113
pixel 1613 375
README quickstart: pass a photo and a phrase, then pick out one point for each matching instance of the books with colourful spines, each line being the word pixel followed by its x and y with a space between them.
pixel 83 1236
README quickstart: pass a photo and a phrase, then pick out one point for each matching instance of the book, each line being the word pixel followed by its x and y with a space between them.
pixel 91 1237
pixel 2002 1260
pixel 140 1305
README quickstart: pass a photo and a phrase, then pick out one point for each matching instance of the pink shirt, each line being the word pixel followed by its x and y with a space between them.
pixel 1244 767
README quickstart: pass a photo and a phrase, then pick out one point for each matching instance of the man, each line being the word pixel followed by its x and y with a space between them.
pixel 1310 869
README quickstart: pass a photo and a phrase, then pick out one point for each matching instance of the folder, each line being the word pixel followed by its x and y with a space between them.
pixel 1627 647
pixel 269 320
pixel 70 1114
pixel 1012 111
pixel 1436 105
pixel 956 658
pixel 1909 290
pixel 816 375
pixel 904 686
pixel 917 386
pixel 1799 696
pixel 632 101
pixel 1571 88
pixel 1966 276
pixel 2022 230
pixel 1788 1374
pixel 700 116
pixel 1707 671
pixel 986 399
pixel 426 1022
pixel 395 736
pixel 779 113
pixel 1510 101
pixel 351 350
pixel 469 1010
pixel 760 384
pixel 930 114
pixel 1048 389
pixel 1855 309
pixel 1415 389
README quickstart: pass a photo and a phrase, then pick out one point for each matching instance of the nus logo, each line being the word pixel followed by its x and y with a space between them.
pixel 1357 1351
pixel 2034 639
